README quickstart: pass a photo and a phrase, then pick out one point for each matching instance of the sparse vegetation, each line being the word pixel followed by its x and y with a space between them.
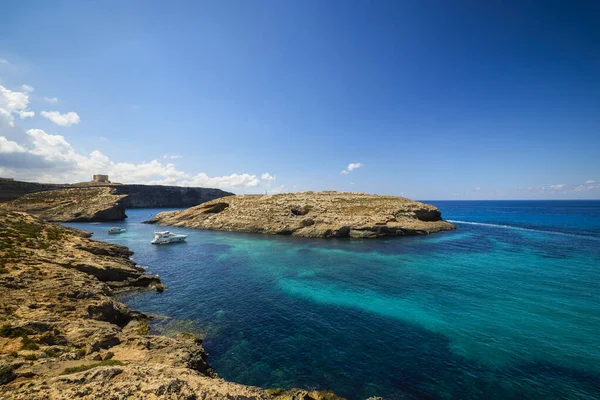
pixel 28 344
pixel 51 352
pixel 9 331
pixel 31 357
pixel 86 367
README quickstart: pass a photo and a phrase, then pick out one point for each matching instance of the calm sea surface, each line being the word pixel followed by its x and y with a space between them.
pixel 506 306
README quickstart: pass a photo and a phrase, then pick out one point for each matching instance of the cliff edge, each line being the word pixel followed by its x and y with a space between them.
pixel 312 214
pixel 138 196
pixel 73 205
pixel 64 336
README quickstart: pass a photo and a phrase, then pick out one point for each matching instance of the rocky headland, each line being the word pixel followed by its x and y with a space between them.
pixel 312 214
pixel 138 196
pixel 73 205
pixel 64 336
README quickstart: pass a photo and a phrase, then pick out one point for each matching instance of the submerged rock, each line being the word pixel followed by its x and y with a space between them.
pixel 73 205
pixel 310 214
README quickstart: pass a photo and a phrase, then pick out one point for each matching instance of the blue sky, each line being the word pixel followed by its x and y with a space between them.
pixel 427 99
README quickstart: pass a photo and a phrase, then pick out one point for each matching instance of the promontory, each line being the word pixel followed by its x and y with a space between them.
pixel 64 336
pixel 312 214
pixel 73 205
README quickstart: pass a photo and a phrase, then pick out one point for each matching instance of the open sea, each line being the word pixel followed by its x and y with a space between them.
pixel 505 307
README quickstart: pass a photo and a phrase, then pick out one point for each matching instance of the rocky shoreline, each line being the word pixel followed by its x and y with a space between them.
pixel 64 336
pixel 73 205
pixel 312 214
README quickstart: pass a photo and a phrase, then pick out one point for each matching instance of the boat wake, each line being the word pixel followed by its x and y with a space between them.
pixel 518 228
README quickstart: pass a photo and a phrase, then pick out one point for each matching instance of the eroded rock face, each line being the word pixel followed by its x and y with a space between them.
pixel 309 214
pixel 73 205
pixel 63 335
pixel 138 196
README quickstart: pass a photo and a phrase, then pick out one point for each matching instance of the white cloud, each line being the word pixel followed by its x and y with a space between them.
pixel 223 182
pixel 267 177
pixel 589 182
pixel 51 158
pixel 12 102
pixel 7 146
pixel 50 99
pixel 351 167
pixel 4 61
pixel 171 156
pixel 27 88
pixel 66 119
pixel 25 114
pixel 560 186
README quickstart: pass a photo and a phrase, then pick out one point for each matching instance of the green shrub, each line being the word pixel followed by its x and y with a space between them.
pixel 31 357
pixel 28 344
pixel 7 330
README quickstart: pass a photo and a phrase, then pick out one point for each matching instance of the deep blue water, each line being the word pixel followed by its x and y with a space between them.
pixel 507 306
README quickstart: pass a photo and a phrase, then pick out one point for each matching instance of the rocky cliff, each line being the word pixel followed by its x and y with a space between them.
pixel 73 205
pixel 139 196
pixel 309 214
pixel 63 335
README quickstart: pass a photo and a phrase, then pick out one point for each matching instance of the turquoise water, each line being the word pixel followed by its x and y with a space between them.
pixel 506 306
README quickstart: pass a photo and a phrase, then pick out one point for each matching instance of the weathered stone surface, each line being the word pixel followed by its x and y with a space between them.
pixel 75 205
pixel 309 214
pixel 138 196
pixel 63 336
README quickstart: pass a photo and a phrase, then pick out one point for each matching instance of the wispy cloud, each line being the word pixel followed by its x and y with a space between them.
pixel 67 119
pixel 171 156
pixel 351 167
pixel 52 100
pixel 4 61
pixel 27 88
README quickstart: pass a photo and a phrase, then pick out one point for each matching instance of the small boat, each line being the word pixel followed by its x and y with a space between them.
pixel 115 229
pixel 167 237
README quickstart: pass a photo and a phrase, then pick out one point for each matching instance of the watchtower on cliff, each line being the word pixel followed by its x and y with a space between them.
pixel 100 179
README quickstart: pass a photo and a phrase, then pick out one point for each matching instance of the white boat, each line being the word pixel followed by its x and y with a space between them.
pixel 115 229
pixel 167 237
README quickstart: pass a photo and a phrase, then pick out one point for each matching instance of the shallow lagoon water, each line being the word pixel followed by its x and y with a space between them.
pixel 507 306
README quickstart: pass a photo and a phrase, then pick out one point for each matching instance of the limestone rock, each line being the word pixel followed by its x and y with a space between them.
pixel 73 205
pixel 82 343
pixel 309 214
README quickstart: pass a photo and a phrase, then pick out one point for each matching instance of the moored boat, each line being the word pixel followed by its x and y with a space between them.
pixel 167 237
pixel 115 229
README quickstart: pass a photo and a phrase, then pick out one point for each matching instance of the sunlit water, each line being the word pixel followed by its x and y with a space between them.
pixel 507 306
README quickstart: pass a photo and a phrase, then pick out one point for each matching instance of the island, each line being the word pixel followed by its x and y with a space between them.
pixel 312 215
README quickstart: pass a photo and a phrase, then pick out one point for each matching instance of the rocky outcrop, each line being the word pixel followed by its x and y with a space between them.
pixel 138 196
pixel 309 214
pixel 63 335
pixel 73 205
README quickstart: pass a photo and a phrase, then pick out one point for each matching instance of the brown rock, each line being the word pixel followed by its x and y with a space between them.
pixel 75 205
pixel 309 214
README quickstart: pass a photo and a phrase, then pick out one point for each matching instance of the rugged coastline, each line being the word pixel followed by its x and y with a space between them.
pixel 63 335
pixel 138 196
pixel 73 205
pixel 312 214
